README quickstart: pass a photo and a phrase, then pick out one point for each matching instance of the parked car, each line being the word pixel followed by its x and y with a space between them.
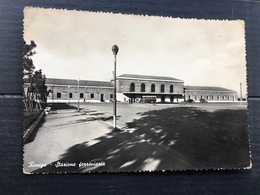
pixel 203 101
pixel 190 101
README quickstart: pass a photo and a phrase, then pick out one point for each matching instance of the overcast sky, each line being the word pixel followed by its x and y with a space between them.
pixel 77 44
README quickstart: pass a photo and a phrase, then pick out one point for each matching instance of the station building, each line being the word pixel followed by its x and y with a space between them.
pixel 68 90
pixel 134 88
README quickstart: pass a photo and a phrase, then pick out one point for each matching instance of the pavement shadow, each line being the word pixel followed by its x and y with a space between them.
pixel 207 139
pixel 119 150
pixel 169 139
pixel 96 118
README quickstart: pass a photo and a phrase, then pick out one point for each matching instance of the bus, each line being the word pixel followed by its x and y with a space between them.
pixel 149 99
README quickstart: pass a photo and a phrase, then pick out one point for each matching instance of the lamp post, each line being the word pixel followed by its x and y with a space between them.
pixel 184 90
pixel 240 93
pixel 69 94
pixel 115 51
pixel 78 94
pixel 52 92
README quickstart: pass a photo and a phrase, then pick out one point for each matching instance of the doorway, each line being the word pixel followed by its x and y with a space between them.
pixel 162 98
pixel 102 97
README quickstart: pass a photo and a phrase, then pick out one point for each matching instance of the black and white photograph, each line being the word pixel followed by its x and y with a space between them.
pixel 110 92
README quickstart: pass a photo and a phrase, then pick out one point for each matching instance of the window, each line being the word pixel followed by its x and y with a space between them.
pixel 81 95
pixel 142 87
pixel 162 88
pixel 111 96
pixel 171 88
pixel 92 95
pixel 70 95
pixel 153 88
pixel 132 87
pixel 58 95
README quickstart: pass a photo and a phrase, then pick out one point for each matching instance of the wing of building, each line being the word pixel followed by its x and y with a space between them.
pixel 68 90
pixel 212 94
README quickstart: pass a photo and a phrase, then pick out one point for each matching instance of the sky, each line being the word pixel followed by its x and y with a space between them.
pixel 78 44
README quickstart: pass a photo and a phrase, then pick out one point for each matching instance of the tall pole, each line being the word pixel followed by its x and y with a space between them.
pixel 78 94
pixel 240 92
pixel 184 94
pixel 114 50
pixel 69 94
pixel 114 117
pixel 52 93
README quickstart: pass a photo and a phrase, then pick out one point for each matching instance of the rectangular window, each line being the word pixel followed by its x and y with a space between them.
pixel 70 95
pixel 58 95
pixel 81 95
pixel 92 95
pixel 111 96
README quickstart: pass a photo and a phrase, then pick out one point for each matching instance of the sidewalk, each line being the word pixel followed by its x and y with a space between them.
pixel 74 137
pixel 58 133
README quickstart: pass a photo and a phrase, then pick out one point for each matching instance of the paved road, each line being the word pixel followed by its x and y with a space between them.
pixel 128 112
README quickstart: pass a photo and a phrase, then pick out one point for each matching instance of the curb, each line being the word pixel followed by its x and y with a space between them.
pixel 32 127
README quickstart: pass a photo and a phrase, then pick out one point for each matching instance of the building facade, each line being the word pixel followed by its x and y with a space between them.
pixel 134 88
pixel 67 90
pixel 210 94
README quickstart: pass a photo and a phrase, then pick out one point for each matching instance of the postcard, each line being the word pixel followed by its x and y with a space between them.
pixel 106 92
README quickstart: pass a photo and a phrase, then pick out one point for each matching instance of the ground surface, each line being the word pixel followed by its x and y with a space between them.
pixel 151 137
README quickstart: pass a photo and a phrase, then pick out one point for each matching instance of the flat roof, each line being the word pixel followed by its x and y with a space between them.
pixel 148 77
pixel 207 88
pixel 70 82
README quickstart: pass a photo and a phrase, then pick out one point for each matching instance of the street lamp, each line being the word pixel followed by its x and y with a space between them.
pixel 184 90
pixel 240 92
pixel 78 94
pixel 69 94
pixel 52 92
pixel 115 51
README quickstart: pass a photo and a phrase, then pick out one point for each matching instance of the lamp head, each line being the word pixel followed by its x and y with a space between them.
pixel 115 49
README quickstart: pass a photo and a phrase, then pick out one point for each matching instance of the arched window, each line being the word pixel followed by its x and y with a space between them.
pixel 132 87
pixel 142 87
pixel 162 88
pixel 153 88
pixel 171 88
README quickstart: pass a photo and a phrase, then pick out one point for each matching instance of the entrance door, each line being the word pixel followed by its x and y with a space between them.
pixel 171 98
pixel 102 97
pixel 162 98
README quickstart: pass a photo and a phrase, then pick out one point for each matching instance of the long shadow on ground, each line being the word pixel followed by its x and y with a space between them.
pixel 208 139
pixel 168 139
